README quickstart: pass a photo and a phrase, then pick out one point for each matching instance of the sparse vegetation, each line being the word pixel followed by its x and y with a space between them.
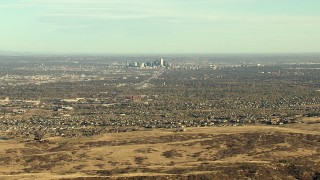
pixel 192 121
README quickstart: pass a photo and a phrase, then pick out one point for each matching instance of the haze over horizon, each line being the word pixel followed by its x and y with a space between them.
pixel 160 26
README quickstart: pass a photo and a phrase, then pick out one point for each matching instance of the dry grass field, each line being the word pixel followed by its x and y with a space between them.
pixel 247 152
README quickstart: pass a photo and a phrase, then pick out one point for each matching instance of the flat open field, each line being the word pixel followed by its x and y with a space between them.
pixel 258 152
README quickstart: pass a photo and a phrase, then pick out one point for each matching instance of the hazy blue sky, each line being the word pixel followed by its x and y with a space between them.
pixel 160 26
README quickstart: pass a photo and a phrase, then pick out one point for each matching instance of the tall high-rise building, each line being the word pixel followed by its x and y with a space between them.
pixel 161 62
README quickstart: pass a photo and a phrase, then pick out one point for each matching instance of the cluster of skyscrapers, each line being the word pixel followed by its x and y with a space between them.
pixel 158 63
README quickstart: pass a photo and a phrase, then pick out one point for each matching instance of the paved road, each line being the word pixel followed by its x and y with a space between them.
pixel 146 83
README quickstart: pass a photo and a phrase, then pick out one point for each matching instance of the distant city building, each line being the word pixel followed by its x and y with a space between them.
pixel 150 64
pixel 161 62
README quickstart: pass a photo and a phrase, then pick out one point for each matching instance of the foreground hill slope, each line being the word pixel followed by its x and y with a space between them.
pixel 258 152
